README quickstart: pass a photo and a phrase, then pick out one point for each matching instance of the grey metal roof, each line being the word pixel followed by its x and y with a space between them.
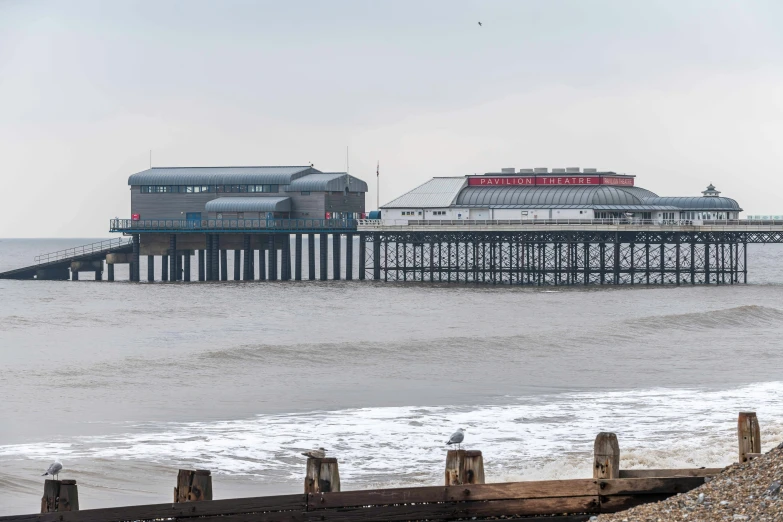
pixel 436 193
pixel 219 175
pixel 551 197
pixel 695 203
pixel 249 204
pixel 327 182
pixel 594 207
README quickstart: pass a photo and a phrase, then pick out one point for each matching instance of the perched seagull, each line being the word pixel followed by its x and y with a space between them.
pixel 457 437
pixel 54 469
pixel 315 453
pixel 479 24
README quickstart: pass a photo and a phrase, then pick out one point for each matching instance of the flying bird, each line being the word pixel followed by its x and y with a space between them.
pixel 54 469
pixel 479 24
pixel 457 437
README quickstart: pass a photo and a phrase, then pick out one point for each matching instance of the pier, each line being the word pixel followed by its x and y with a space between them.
pixel 493 252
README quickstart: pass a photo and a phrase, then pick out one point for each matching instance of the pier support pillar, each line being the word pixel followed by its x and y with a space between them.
pixel 285 270
pixel 99 271
pixel 323 254
pixel 262 260
pixel 311 257
pixel 164 268
pixel 134 268
pixel 75 275
pixel 247 260
pixel 208 259
pixel 376 257
pixel 186 265
pixel 237 264
pixel 363 257
pixel 201 275
pixel 173 272
pixel 110 270
pixel 224 265
pixel 348 257
pixel 150 269
pixel 215 257
pixel 298 257
pixel 272 258
pixel 336 239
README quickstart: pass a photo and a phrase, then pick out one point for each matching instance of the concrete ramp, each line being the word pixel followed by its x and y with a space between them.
pixel 62 264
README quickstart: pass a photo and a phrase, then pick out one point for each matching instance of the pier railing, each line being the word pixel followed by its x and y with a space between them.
pixel 612 221
pixel 214 225
pixel 91 248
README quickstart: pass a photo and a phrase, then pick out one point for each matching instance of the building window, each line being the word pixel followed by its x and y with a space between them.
pixel 438 212
pixel 305 192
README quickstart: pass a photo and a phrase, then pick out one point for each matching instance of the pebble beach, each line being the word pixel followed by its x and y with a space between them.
pixel 742 492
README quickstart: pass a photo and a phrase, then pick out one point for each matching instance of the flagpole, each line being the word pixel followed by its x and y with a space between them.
pixel 378 186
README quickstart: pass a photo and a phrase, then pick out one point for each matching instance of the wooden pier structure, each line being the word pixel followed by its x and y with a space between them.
pixel 464 495
pixel 569 252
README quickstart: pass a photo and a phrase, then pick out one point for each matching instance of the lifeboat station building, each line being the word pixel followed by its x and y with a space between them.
pixel 562 194
pixel 244 193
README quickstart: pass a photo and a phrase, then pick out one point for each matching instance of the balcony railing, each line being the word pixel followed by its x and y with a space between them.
pixel 206 225
pixel 537 222
pixel 67 253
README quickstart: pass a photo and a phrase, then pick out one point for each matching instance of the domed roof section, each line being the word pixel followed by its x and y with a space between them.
pixel 552 196
pixel 694 203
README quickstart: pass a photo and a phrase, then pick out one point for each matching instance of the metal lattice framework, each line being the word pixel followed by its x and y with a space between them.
pixel 561 258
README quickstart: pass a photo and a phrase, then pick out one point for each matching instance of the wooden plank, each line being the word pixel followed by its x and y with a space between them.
pixel 281 516
pixel 617 503
pixel 748 433
pixel 181 511
pixel 606 456
pixel 497 491
pixel 684 472
pixel 454 510
pixel 649 486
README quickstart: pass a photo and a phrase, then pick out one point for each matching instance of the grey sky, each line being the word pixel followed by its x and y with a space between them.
pixel 680 93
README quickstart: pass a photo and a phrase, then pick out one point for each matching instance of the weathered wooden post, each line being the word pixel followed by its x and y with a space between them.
pixel 464 467
pixel 749 436
pixel 193 486
pixel 606 455
pixel 59 495
pixel 322 476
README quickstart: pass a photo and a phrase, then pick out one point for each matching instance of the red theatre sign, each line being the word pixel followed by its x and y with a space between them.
pixel 500 181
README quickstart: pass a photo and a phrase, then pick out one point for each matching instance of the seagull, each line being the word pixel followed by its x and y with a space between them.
pixel 479 24
pixel 457 437
pixel 54 469
pixel 318 453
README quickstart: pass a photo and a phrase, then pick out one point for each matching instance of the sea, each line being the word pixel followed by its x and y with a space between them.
pixel 126 383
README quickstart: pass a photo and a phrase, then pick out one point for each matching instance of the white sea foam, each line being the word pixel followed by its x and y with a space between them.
pixel 526 438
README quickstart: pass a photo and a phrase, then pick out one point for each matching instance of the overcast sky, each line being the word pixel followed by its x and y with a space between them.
pixel 680 93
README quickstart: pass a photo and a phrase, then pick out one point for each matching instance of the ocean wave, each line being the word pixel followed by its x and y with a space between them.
pixel 747 316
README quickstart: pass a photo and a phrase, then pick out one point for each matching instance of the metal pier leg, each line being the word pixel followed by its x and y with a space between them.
pixel 209 258
pixel 75 274
pixel 602 262
pixel 323 255
pixel 262 260
pixel 173 257
pixel 237 264
pixel 164 268
pixel 336 238
pixel 677 258
pixel 376 254
pixel 135 267
pixel 247 260
pixel 286 256
pixel 693 260
pixel 224 265
pixel 110 269
pixel 252 261
pixel 179 267
pixel 298 257
pixel 150 269
pixel 201 269
pixel 647 259
pixel 311 257
pixel 186 265
pixel 617 259
pixel 745 261
pixel 362 256
pixel 99 273
pixel 348 257
pixel 272 258
pixel 663 258
pixel 707 263
pixel 216 257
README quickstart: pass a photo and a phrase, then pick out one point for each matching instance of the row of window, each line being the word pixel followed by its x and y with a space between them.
pixel 438 212
pixel 194 189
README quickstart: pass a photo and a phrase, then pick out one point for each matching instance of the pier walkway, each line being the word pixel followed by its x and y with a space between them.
pixel 60 264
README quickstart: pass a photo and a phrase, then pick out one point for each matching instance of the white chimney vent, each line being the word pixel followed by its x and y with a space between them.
pixel 508 170
pixel 541 170
pixel 590 171
pixel 572 170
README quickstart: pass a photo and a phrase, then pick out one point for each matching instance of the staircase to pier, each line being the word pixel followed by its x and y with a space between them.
pixel 63 258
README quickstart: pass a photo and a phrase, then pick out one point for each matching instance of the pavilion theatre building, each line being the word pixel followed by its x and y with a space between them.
pixel 562 194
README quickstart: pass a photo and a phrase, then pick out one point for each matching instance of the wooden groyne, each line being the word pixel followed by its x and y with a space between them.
pixel 464 494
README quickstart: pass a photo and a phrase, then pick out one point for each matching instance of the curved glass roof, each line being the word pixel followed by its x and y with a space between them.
pixel 548 196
